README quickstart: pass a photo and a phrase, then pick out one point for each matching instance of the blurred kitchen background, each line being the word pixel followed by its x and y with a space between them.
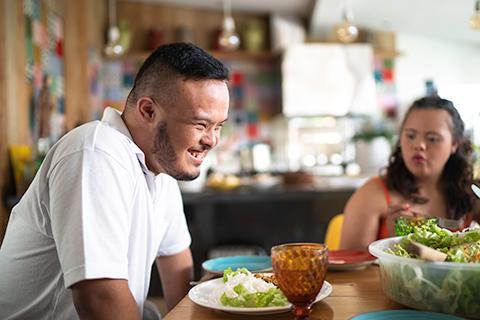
pixel 317 87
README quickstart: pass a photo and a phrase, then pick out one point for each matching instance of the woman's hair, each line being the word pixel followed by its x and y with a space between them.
pixel 457 175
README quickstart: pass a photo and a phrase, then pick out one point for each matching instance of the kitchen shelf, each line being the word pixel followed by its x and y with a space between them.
pixel 140 56
pixel 221 55
pixel 244 55
pixel 387 54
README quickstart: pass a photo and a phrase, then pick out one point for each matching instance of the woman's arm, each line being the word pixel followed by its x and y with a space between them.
pixel 362 216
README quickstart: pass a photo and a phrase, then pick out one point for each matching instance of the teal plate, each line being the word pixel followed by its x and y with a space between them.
pixel 252 263
pixel 404 315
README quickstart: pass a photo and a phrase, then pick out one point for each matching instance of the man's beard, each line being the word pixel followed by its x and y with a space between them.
pixel 166 156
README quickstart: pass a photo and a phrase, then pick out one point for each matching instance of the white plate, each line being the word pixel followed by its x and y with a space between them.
pixel 207 294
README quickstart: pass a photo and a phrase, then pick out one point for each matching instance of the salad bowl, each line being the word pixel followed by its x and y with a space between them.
pixel 447 287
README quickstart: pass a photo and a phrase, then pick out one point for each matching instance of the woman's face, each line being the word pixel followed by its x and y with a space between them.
pixel 426 142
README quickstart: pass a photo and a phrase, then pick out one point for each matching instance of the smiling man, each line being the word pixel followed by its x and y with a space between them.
pixel 105 204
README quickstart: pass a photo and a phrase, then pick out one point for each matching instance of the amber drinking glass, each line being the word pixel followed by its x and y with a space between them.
pixel 300 269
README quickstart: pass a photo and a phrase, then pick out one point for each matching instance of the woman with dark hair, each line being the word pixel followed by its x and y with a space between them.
pixel 429 174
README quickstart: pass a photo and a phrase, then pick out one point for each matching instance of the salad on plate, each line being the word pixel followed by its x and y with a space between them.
pixel 244 289
pixel 247 293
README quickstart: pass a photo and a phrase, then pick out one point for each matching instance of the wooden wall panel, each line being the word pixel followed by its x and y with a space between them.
pixel 76 68
pixel 3 116
pixel 84 26
pixel 13 91
pixel 96 24
pixel 17 89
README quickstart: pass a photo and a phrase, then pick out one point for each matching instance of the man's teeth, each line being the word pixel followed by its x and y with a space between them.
pixel 197 155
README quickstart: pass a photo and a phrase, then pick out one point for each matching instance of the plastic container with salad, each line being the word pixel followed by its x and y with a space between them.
pixel 451 286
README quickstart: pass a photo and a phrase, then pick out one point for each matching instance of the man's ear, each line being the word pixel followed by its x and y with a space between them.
pixel 147 109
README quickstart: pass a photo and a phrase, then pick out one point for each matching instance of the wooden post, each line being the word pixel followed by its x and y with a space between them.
pixel 3 120
pixel 84 23
pixel 76 64
pixel 13 91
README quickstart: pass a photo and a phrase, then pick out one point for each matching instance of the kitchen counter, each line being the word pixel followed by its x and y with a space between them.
pixel 254 195
pixel 322 185
pixel 259 219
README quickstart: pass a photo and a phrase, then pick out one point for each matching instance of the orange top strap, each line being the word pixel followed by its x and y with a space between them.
pixel 385 189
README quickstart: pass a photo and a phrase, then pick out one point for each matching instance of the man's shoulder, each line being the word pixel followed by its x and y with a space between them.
pixel 98 137
pixel 95 134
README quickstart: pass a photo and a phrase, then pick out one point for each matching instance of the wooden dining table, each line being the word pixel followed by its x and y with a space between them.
pixel 354 292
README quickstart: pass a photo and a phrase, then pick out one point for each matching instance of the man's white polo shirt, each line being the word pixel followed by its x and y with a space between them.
pixel 93 211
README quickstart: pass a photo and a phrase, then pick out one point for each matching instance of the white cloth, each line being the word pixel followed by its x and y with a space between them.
pixel 93 211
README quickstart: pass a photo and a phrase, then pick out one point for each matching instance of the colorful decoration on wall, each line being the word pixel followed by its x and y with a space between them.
pixel 117 80
pixel 255 96
pixel 44 72
pixel 385 81
pixel 95 83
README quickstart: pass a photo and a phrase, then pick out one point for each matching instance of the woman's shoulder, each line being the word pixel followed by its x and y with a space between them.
pixel 372 193
pixel 374 185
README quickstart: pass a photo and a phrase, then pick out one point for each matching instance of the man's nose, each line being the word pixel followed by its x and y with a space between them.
pixel 210 138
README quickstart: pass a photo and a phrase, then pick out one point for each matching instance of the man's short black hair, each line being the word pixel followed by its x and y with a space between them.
pixel 175 61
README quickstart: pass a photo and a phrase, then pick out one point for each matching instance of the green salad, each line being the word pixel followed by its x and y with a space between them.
pixel 243 289
pixel 447 287
pixel 459 246
pixel 406 225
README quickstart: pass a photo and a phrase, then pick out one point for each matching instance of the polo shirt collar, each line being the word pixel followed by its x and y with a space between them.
pixel 113 117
